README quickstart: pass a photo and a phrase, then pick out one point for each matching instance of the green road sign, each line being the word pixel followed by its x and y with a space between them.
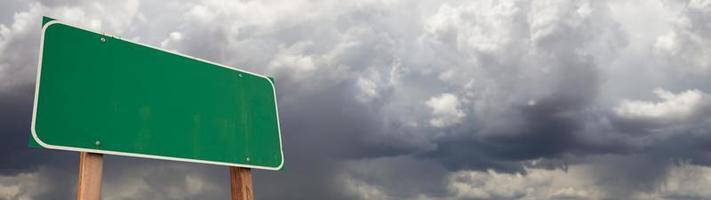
pixel 101 94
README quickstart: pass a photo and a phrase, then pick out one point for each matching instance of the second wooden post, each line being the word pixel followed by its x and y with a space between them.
pixel 241 183
pixel 89 180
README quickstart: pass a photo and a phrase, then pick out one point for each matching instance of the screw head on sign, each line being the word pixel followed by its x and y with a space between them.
pixel 247 158
pixel 97 143
pixel 103 39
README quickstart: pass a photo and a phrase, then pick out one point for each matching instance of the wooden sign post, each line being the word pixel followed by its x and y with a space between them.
pixel 89 180
pixel 241 183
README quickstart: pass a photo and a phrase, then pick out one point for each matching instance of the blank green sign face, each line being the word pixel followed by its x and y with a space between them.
pixel 97 93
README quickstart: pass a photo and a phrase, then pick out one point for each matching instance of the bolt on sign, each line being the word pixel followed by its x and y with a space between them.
pixel 101 94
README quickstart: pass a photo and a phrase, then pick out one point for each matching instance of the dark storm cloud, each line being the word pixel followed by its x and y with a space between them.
pixel 550 116
pixel 16 118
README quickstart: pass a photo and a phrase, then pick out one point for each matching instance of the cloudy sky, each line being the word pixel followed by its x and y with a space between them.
pixel 487 99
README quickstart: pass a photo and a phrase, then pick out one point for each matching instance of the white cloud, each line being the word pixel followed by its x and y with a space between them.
pixel 368 90
pixel 535 184
pixel 375 179
pixel 171 181
pixel 671 106
pixel 687 45
pixel 577 182
pixel 162 181
pixel 362 190
pixel 173 37
pixel 24 186
pixel 383 178
pixel 293 58
pixel 19 41
pixel 446 110
pixel 9 192
pixel 15 67
pixel 686 182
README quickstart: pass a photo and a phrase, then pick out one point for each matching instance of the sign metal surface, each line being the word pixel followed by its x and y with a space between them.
pixel 102 94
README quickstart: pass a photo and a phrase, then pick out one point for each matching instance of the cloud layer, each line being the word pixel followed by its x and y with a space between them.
pixel 508 99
